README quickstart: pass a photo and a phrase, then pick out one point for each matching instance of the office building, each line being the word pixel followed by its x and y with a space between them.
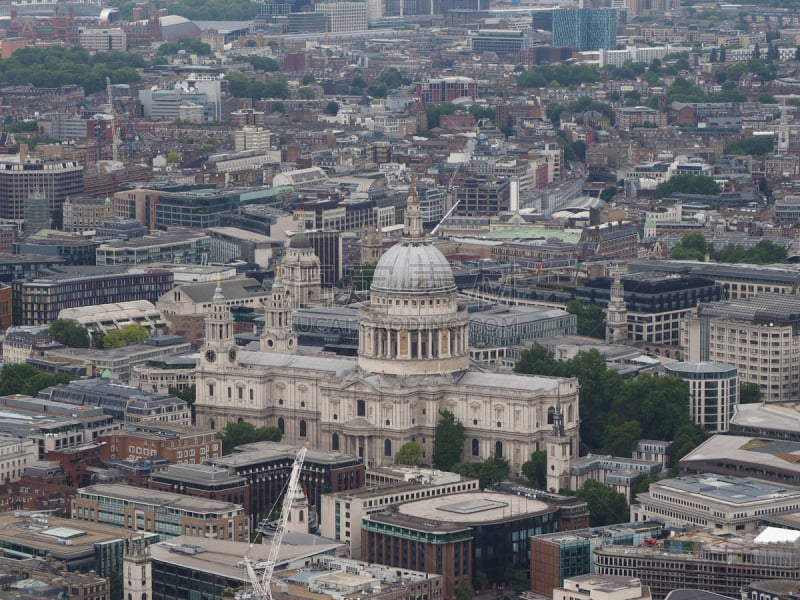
pixel 737 280
pixel 123 402
pixel 22 177
pixel 458 536
pixel 342 512
pixel 102 40
pixel 585 28
pixel 267 465
pixel 232 244
pixel 605 587
pixel 654 306
pixel 446 89
pixel 108 317
pixel 483 197
pixel 307 570
pixel 514 325
pixel 775 421
pixel 503 42
pixel 713 562
pixel 75 249
pixel 721 502
pixel 758 335
pixel 327 246
pixel 343 17
pixel 174 246
pixel 251 138
pixel 82 547
pixel 745 456
pixel 204 481
pixel 556 557
pixel 39 299
pixel 713 392
pixel 163 513
pixel 86 214
pixel 609 240
pixel 180 444
pixel 53 426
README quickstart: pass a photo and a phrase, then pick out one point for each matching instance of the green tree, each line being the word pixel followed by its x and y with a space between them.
pixel 448 443
pixel 535 470
pixel 215 10
pixel 24 379
pixel 693 246
pixel 242 432
pixel 127 336
pixel 409 453
pixel 753 146
pixel 641 484
pixel 187 394
pixel 332 108
pixel 308 79
pixel 620 439
pixel 608 193
pixel 749 393
pixel 688 184
pixel 306 93
pixel 464 590
pixel 492 470
pixel 591 319
pixel 173 157
pixel 538 360
pixel 69 333
pixel 606 505
pixel 466 468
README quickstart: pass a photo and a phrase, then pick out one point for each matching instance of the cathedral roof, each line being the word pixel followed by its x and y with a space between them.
pixel 300 240
pixel 413 267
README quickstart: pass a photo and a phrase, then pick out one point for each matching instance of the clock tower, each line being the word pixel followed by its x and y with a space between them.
pixel 278 335
pixel 219 347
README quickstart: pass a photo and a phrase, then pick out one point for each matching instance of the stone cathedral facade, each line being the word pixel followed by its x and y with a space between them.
pixel 412 363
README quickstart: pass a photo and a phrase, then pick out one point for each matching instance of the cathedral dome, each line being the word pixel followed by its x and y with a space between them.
pixel 299 240
pixel 416 268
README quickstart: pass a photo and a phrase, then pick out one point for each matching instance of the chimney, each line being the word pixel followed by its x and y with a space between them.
pixel 23 153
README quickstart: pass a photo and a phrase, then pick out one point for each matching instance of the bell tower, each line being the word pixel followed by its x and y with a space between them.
pixel 278 335
pixel 219 347
pixel 617 313
pixel 559 454
pixel 137 571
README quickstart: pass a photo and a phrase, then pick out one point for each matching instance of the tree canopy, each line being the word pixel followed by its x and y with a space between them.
pixel 190 45
pixel 755 146
pixel 409 453
pixel 241 87
pixel 693 246
pixel 242 432
pixel 26 380
pixel 215 10
pixel 69 333
pixel 55 66
pixel 688 184
pixel 591 319
pixel 488 472
pixel 606 505
pixel 616 413
pixel 127 336
pixel 558 75
pixel 448 444
pixel 535 470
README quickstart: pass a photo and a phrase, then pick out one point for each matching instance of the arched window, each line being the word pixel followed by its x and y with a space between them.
pixel 335 441
pixel 282 425
pixel 476 447
pixel 550 415
pixel 498 449
pixel 212 424
pixel 240 420
pixel 301 517
pixel 302 429
pixel 569 413
pixel 387 447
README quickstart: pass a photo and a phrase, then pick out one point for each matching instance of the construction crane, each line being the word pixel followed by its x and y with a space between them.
pixel 260 586
pixel 450 190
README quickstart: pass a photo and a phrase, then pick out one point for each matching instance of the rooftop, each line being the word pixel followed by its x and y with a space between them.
pixel 778 309
pixel 475 508
pixel 727 490
pixel 260 452
pixel 140 496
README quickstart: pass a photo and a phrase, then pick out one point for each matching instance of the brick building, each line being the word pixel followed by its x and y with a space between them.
pixel 178 444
